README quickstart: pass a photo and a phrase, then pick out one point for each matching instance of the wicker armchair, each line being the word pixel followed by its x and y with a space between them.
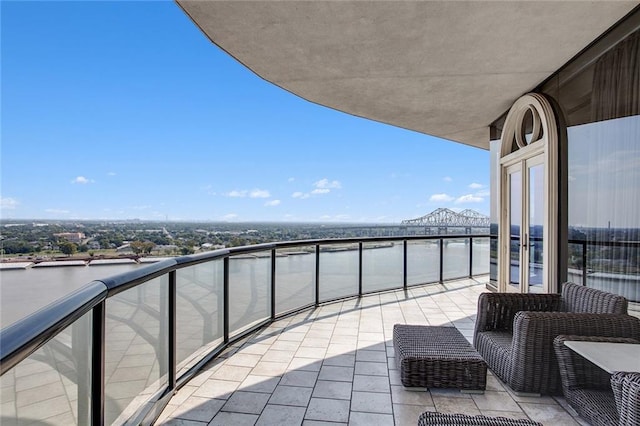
pixel 514 332
pixel 431 418
pixel 626 392
pixel 588 388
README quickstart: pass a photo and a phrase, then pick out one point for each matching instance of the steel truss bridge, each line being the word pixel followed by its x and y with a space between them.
pixel 445 218
pixel 441 221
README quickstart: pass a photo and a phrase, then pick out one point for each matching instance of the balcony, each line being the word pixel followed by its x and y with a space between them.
pixel 335 364
pixel 270 334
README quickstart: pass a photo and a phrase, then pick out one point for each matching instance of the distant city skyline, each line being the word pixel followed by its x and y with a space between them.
pixel 124 110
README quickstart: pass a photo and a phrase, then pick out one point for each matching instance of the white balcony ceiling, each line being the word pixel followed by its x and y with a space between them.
pixel 444 68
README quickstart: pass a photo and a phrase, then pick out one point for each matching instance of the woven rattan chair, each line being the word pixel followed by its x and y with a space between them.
pixel 430 418
pixel 587 387
pixel 514 332
pixel 626 391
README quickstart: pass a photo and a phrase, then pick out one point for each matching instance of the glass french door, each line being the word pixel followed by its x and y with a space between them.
pixel 525 203
pixel 528 188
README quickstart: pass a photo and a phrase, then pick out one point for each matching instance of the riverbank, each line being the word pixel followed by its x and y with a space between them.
pixel 24 262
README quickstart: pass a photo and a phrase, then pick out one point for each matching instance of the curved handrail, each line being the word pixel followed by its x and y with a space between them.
pixel 23 338
pixel 118 283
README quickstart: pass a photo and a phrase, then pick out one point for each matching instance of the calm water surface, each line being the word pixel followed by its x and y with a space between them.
pixel 24 291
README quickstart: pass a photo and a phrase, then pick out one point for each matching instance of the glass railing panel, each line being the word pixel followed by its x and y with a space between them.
pixel 614 268
pixel 423 261
pixel 295 278
pixel 481 249
pixel 455 263
pixel 249 290
pixel 136 348
pixel 338 270
pixel 52 385
pixel 575 263
pixel 382 266
pixel 493 259
pixel 199 311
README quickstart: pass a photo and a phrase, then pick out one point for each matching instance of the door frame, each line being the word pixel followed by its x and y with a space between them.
pixel 516 148
pixel 521 163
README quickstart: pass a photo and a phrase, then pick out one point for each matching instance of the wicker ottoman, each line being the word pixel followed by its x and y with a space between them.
pixel 437 357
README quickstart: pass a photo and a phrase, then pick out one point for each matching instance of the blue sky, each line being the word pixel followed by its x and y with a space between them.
pixel 120 110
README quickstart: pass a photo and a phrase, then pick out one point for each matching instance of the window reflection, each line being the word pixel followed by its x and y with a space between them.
pixel 604 201
pixel 515 200
pixel 597 96
pixel 536 227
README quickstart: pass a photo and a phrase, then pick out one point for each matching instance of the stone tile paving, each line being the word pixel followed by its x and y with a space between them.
pixel 335 365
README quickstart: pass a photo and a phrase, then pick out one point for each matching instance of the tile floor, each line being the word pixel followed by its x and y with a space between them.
pixel 335 366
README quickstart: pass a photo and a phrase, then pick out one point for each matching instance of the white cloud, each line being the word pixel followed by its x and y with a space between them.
pixel 230 216
pixel 476 185
pixel 8 203
pixel 325 183
pixel 111 174
pixel 323 186
pixel 321 191
pixel 469 198
pixel 272 203
pixel 259 193
pixel 143 207
pixel 291 179
pixel 440 198
pixel 447 179
pixel 483 193
pixel 82 180
pixel 300 195
pixel 237 194
pixel 254 193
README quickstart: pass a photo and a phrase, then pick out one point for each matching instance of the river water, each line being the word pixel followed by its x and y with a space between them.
pixel 24 291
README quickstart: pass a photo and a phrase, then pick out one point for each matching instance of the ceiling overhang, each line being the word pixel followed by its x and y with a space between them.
pixel 443 68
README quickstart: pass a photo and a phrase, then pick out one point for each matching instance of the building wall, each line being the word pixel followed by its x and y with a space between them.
pixel 73 237
pixel 598 98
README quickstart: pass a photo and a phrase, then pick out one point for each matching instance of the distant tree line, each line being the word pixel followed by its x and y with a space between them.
pixel 29 238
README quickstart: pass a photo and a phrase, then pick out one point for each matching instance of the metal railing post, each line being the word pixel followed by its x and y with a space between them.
pixel 172 330
pixel 225 297
pixel 273 284
pixel 441 259
pixel 584 263
pixel 470 257
pixel 317 274
pixel 360 269
pixel 404 264
pixel 97 364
